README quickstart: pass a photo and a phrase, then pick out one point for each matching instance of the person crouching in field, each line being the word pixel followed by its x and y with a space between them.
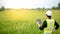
pixel 49 25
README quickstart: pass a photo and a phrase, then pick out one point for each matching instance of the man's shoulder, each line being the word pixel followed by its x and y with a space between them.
pixel 50 19
pixel 44 21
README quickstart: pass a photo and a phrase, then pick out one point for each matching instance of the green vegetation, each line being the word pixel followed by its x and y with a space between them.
pixel 24 21
pixel 56 8
pixel 2 8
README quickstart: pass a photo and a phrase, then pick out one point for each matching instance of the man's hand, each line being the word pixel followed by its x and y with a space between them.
pixel 53 31
pixel 38 22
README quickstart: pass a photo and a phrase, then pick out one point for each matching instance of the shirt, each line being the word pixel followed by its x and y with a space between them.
pixel 44 25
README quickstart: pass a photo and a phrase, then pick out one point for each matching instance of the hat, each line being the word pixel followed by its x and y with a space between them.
pixel 49 13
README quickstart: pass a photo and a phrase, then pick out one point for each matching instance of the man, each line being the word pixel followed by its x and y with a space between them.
pixel 49 25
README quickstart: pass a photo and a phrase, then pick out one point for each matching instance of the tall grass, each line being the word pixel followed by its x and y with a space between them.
pixel 24 21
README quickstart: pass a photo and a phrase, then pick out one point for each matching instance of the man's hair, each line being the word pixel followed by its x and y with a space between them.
pixel 48 16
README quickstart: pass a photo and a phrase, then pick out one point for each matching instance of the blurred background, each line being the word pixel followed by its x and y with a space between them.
pixel 19 16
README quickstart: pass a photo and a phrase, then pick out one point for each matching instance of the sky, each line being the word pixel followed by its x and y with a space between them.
pixel 29 3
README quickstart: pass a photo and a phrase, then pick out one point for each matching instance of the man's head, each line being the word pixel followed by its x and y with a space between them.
pixel 49 14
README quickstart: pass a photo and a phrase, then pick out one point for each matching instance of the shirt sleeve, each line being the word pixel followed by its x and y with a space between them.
pixel 56 25
pixel 44 25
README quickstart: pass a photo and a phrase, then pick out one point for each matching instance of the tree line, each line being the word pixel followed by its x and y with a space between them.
pixel 2 8
pixel 58 8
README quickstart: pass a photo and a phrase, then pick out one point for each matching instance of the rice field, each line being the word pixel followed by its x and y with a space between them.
pixel 24 21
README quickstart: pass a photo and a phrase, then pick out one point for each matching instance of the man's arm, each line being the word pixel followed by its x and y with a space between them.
pixel 44 25
pixel 56 25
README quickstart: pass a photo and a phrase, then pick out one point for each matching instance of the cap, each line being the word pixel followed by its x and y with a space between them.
pixel 49 13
